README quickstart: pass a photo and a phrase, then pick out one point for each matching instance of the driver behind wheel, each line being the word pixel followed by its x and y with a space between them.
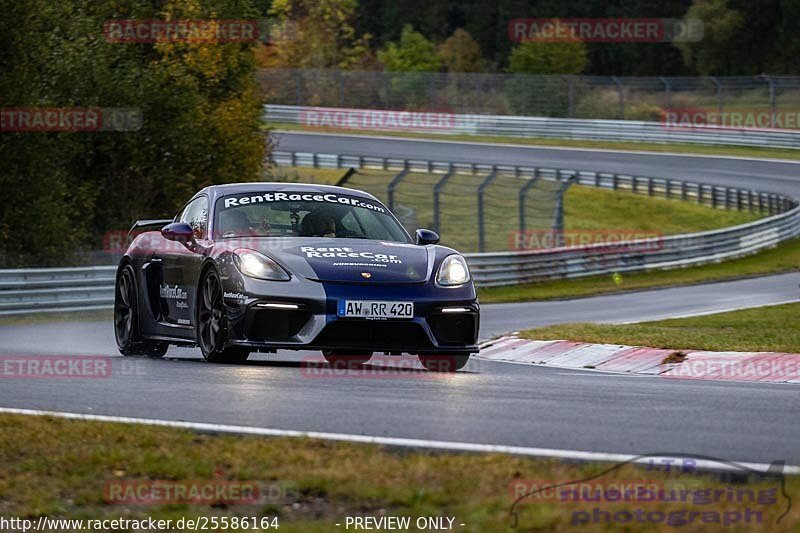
pixel 318 224
pixel 237 224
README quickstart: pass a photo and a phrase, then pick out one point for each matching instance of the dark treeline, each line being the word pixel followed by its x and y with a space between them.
pixel 743 37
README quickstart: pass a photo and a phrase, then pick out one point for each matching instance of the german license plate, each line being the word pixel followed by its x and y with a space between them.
pixel 375 309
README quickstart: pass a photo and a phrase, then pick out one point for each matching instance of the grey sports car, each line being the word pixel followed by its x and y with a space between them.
pixel 267 266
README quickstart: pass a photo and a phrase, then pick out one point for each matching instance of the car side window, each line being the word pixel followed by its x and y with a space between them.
pixel 196 215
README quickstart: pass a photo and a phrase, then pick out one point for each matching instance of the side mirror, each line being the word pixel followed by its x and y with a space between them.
pixel 426 236
pixel 179 232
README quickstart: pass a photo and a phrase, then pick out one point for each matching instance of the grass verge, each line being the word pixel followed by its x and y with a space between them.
pixel 783 258
pixel 66 468
pixel 769 329
pixel 684 148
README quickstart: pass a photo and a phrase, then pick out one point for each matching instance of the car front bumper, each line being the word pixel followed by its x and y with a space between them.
pixel 446 320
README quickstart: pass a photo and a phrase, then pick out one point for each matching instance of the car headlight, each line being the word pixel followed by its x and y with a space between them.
pixel 256 265
pixel 453 271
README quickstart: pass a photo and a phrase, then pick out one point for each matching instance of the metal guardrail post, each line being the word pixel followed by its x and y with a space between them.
pixel 621 93
pixel 771 85
pixel 523 192
pixel 340 87
pixel 667 92
pixel 347 175
pixel 558 213
pixel 437 189
pixel 570 94
pixel 393 185
pixel 481 188
pixel 718 86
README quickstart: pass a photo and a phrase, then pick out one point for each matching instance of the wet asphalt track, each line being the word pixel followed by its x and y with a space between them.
pixel 488 403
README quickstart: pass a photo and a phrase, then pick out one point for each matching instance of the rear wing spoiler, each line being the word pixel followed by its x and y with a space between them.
pixel 148 225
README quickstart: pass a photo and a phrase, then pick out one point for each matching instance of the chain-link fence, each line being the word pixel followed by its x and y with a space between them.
pixel 472 212
pixel 606 97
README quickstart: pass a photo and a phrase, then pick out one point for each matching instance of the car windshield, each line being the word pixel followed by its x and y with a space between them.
pixel 305 214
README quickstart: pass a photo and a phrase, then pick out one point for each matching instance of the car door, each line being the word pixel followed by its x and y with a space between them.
pixel 180 266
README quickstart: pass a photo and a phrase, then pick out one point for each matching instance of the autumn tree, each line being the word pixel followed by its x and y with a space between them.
pixel 322 36
pixel 722 27
pixel 461 53
pixel 200 110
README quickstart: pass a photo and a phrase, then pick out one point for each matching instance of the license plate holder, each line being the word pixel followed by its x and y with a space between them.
pixel 375 309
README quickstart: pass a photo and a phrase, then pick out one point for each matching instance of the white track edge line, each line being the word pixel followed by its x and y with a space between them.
pixel 386 441
pixel 542 147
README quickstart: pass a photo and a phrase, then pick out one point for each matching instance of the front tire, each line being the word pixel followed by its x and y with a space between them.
pixel 444 362
pixel 212 324
pixel 126 319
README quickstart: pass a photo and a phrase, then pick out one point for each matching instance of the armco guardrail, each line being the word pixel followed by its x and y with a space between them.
pixel 515 126
pixel 511 268
pixel 84 288
pixel 56 289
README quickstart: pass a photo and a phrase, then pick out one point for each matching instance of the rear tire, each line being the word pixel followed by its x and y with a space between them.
pixel 444 362
pixel 126 319
pixel 346 358
pixel 212 324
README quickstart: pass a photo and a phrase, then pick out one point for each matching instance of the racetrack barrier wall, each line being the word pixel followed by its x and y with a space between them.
pixel 562 128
